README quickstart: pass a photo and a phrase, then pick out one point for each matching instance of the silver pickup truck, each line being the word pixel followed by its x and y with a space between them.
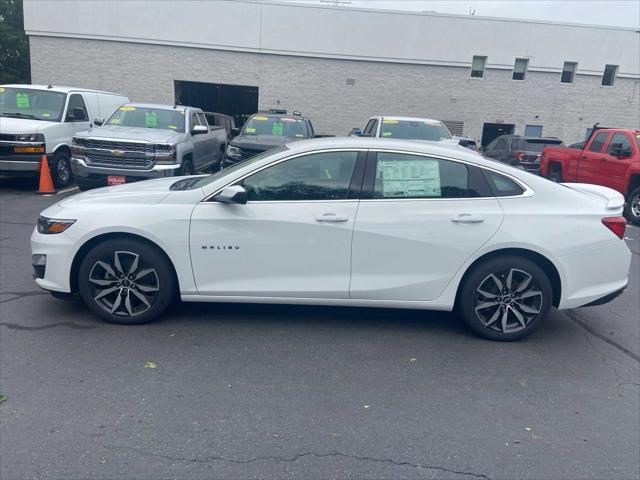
pixel 141 141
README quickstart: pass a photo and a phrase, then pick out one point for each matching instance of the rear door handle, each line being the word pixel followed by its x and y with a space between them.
pixel 331 218
pixel 467 218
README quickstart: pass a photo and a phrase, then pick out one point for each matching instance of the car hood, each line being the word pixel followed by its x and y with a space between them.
pixel 152 135
pixel 145 192
pixel 260 142
pixel 22 125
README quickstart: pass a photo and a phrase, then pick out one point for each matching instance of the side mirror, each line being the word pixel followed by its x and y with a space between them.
pixel 233 194
pixel 235 131
pixel 76 115
pixel 98 122
pixel 199 130
pixel 355 132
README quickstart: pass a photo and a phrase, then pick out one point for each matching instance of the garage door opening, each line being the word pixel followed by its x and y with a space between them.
pixel 239 101
pixel 490 131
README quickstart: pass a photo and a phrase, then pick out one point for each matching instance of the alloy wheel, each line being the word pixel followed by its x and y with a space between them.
pixel 508 301
pixel 635 205
pixel 64 172
pixel 123 285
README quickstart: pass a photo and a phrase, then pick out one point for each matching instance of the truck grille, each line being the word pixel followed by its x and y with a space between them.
pixel 122 146
pixel 125 161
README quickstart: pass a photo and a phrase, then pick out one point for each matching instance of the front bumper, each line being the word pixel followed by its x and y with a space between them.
pixel 19 164
pixel 97 176
pixel 59 250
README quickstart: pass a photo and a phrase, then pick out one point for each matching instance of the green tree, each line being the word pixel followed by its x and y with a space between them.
pixel 15 66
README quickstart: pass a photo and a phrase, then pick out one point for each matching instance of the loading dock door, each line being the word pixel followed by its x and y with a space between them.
pixel 491 131
pixel 239 101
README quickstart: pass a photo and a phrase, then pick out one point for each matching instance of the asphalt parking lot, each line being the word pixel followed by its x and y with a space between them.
pixel 240 391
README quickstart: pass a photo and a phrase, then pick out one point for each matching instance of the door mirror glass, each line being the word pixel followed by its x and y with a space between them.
pixel 616 149
pixel 98 122
pixel 355 132
pixel 199 130
pixel 233 194
pixel 76 115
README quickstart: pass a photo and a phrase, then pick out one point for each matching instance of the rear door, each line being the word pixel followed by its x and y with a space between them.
pixel 590 159
pixel 613 169
pixel 423 218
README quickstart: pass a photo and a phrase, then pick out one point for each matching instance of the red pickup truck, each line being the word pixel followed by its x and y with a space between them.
pixel 610 157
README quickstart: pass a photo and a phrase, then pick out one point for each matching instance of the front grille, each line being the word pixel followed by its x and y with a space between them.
pixel 116 145
pixel 125 161
pixel 8 137
pixel 38 271
pixel 6 150
pixel 248 153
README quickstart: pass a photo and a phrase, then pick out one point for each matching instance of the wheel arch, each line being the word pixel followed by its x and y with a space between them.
pixel 543 262
pixel 634 182
pixel 98 239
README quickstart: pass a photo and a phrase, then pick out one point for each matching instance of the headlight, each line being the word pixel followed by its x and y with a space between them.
pixel 49 226
pixel 165 153
pixel 30 137
pixel 233 151
pixel 80 142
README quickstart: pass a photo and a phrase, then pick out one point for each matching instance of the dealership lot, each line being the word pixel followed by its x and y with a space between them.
pixel 278 391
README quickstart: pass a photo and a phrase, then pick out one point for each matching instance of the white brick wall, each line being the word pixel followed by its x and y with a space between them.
pixel 317 87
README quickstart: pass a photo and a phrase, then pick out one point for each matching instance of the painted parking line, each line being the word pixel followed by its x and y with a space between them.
pixel 70 189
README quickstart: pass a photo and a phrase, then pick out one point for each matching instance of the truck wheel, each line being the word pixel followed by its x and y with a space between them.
pixel 61 170
pixel 632 208
pixel 555 173
pixel 187 168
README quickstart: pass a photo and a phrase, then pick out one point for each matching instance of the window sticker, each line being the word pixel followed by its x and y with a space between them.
pixel 22 100
pixel 386 134
pixel 115 121
pixel 410 178
pixel 390 121
pixel 299 135
pixel 261 118
pixel 151 119
pixel 250 130
pixel 46 114
pixel 173 127
pixel 1 89
pixel 277 128
pixel 127 109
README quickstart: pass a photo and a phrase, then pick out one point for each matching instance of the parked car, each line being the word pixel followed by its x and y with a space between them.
pixel 520 151
pixel 222 120
pixel 343 221
pixel 41 120
pixel 406 128
pixel 264 131
pixel 141 141
pixel 610 157
pixel 467 142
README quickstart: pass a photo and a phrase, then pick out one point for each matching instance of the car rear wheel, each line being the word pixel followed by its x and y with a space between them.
pixel 632 209
pixel 126 281
pixel 505 298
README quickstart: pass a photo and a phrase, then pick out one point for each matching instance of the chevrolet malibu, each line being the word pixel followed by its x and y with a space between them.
pixel 342 221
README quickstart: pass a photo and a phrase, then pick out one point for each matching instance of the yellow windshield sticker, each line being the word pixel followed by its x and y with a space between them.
pixel 260 118
pixel 390 121
pixel 250 130
pixel 386 134
pixel 114 121
pixel 173 127
pixel 1 89
pixel 299 135
pixel 127 109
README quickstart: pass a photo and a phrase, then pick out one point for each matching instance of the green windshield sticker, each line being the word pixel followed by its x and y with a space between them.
pixel 386 134
pixel 46 115
pixel 277 128
pixel 151 119
pixel 22 100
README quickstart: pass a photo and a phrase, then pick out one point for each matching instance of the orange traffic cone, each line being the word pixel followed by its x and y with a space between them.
pixel 46 184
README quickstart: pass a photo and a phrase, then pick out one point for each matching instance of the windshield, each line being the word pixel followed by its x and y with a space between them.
pixel 146 117
pixel 277 126
pixel 32 104
pixel 241 164
pixel 413 130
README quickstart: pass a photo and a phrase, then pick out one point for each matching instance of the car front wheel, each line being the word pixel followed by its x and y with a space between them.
pixel 126 281
pixel 505 298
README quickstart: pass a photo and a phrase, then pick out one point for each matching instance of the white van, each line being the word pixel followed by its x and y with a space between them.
pixel 38 119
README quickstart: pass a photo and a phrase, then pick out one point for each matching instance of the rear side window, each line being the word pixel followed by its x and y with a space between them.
pixel 598 142
pixel 501 185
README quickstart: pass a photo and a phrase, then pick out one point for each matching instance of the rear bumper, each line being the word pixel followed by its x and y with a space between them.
pixel 607 298
pixel 97 176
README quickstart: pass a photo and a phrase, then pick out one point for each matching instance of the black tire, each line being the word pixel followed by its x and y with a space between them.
pixel 555 173
pixel 142 296
pixel 187 168
pixel 523 314
pixel 632 208
pixel 61 173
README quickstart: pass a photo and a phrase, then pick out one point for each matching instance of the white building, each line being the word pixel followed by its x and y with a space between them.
pixel 342 65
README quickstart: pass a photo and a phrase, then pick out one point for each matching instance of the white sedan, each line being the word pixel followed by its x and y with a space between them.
pixel 342 221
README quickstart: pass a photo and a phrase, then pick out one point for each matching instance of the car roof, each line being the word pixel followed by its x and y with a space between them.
pixel 279 115
pixel 411 119
pixel 179 108
pixel 59 89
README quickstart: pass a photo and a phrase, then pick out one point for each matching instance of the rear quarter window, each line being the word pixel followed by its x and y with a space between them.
pixel 502 185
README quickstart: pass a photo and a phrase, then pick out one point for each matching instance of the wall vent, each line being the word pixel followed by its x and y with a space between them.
pixel 454 126
pixel 351 82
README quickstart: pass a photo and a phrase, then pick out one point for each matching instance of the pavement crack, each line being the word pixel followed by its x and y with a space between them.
pixel 31 224
pixel 296 457
pixel 19 295
pixel 77 326
pixel 573 316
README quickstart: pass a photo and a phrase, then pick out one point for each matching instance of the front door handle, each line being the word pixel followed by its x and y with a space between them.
pixel 467 218
pixel 331 218
pixel 603 159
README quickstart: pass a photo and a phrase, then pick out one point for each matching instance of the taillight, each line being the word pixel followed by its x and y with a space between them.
pixel 616 224
pixel 520 156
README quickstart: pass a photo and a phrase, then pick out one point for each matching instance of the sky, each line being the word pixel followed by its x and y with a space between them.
pixel 620 13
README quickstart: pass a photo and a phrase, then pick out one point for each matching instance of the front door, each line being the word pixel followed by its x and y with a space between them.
pixel 613 169
pixel 77 115
pixel 424 220
pixel 291 239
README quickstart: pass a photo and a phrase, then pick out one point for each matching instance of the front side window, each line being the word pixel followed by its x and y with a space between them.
pixel 413 130
pixel 203 120
pixel 31 104
pixel 148 117
pixel 76 110
pixel 598 142
pixel 568 72
pixel 412 176
pixel 275 126
pixel 609 76
pixel 477 66
pixel 520 68
pixel 318 176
